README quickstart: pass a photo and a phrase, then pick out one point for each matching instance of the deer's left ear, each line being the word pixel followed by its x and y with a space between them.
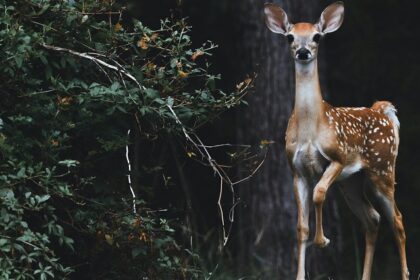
pixel 331 18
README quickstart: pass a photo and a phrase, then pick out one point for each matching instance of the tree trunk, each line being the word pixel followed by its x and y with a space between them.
pixel 267 218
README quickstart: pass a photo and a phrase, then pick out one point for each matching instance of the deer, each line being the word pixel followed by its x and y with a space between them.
pixel 355 147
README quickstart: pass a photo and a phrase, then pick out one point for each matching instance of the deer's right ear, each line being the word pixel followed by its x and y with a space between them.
pixel 276 18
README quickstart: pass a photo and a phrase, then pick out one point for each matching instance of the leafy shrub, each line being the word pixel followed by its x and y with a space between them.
pixel 75 77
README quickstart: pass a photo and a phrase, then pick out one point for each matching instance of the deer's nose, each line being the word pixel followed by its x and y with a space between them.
pixel 303 54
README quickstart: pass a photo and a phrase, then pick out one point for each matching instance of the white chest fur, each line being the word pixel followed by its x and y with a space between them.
pixel 308 160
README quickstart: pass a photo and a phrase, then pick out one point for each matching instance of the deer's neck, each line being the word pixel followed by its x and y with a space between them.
pixel 308 101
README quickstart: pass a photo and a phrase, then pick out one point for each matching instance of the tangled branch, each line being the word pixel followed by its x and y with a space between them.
pixel 202 149
pixel 224 178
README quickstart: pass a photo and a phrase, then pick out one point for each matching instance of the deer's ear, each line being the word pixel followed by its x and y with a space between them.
pixel 331 18
pixel 276 18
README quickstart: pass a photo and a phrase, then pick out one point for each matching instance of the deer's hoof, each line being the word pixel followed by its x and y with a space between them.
pixel 406 275
pixel 321 242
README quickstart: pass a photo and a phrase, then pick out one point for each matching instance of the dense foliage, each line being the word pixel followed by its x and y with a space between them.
pixel 75 77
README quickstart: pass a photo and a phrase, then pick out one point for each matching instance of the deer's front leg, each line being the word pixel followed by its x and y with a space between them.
pixel 320 191
pixel 303 202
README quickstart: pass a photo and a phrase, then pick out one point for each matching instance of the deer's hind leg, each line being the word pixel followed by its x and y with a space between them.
pixel 353 192
pixel 384 192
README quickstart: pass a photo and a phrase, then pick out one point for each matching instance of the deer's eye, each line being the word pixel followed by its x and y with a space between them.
pixel 290 38
pixel 316 38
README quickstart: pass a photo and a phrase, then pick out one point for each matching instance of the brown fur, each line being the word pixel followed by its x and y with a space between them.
pixel 356 147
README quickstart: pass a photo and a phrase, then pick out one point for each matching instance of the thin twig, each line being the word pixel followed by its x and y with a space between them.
pixel 224 145
pixel 129 175
pixel 252 174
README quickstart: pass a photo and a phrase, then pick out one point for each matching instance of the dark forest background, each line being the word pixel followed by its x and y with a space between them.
pixel 373 56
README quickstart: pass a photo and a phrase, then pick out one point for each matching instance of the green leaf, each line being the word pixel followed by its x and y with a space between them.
pixel 21 173
pixel 137 251
pixel 151 93
pixel 3 242
pixel 170 101
pixel 19 61
pixel 115 86
pixel 69 162
pixel 43 198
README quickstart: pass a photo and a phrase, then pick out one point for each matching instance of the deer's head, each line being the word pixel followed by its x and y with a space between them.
pixel 304 37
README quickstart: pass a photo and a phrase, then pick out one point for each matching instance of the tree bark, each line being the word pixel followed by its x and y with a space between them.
pixel 267 216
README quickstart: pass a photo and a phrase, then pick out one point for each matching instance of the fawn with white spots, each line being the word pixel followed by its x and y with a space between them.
pixel 356 147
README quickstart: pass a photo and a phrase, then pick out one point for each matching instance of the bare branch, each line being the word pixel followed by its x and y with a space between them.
pixel 129 176
pixel 224 145
pixel 252 174
pixel 96 60
pixel 202 149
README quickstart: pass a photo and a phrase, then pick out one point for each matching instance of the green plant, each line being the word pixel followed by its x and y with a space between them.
pixel 75 77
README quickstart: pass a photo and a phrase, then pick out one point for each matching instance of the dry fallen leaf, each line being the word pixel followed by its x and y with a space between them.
pixel 118 27
pixel 130 237
pixel 248 81
pixel 55 143
pixel 182 74
pixel 266 142
pixel 64 101
pixel 151 66
pixel 239 86
pixel 243 84
pixel 109 239
pixel 196 54
pixel 142 43
pixel 143 236
pixel 136 222
pixel 154 36
pixel 191 154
